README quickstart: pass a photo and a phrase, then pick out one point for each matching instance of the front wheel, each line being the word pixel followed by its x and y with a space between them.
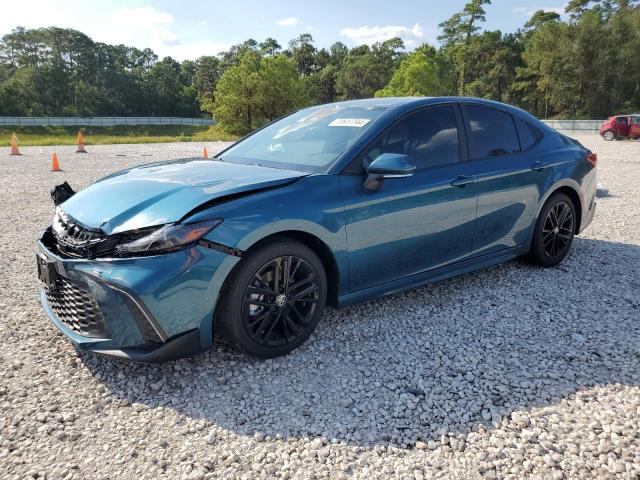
pixel 273 300
pixel 609 135
pixel 554 231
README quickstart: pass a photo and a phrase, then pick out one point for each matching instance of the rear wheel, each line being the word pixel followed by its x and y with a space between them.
pixel 609 135
pixel 273 300
pixel 554 231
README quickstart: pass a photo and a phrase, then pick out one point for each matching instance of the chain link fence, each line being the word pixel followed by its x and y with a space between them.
pixel 575 126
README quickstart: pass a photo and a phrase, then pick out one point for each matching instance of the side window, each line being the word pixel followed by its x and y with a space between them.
pixel 429 137
pixel 622 120
pixel 491 132
pixel 525 134
pixel 635 120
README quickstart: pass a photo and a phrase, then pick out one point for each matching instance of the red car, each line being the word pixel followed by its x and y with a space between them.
pixel 621 126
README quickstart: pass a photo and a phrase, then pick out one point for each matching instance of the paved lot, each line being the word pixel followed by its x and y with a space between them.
pixel 509 372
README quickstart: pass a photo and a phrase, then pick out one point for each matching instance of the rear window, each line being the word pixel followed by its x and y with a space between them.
pixel 492 133
pixel 525 134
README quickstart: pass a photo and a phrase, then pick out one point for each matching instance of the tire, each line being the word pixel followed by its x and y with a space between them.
pixel 609 135
pixel 266 318
pixel 554 231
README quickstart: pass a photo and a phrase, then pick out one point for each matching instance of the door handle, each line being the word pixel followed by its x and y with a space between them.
pixel 461 181
pixel 537 166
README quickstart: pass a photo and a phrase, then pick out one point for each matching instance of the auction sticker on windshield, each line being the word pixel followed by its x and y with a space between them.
pixel 349 122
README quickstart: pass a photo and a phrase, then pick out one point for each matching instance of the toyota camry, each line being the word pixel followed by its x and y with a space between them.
pixel 331 205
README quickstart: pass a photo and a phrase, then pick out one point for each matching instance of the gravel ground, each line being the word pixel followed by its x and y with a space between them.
pixel 509 372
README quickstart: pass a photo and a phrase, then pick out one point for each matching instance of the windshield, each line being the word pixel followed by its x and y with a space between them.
pixel 308 140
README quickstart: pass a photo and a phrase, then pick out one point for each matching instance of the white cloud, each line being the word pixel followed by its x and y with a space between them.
pixel 148 27
pixel 368 35
pixel 289 22
pixel 141 27
pixel 141 18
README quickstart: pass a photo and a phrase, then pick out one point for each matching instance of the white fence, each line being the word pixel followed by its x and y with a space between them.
pixel 575 126
pixel 571 126
pixel 102 121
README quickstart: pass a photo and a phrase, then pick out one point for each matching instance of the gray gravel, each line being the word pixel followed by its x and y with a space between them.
pixel 509 372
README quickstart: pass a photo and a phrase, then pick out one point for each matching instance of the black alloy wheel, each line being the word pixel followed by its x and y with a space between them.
pixel 280 301
pixel 558 229
pixel 554 231
pixel 273 299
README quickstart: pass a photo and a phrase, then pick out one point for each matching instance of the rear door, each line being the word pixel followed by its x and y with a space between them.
pixel 511 177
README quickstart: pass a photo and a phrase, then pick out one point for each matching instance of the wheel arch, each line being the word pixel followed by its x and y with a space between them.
pixel 320 248
pixel 570 190
pixel 609 130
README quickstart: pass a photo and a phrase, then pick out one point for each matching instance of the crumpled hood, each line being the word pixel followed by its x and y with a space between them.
pixel 161 193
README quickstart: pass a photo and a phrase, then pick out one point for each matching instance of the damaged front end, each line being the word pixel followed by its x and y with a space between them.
pixel 61 193
pixel 117 295
pixel 127 266
pixel 68 239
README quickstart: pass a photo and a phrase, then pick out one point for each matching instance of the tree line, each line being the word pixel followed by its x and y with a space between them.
pixel 586 66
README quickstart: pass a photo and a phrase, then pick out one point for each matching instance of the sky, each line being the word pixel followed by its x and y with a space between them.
pixel 189 29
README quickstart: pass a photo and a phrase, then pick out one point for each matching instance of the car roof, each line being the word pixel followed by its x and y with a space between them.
pixel 397 101
pixel 402 104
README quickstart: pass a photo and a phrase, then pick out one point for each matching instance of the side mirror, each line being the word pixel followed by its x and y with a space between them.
pixel 392 165
pixel 388 165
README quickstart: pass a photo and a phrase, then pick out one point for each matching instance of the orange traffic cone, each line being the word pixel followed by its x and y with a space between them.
pixel 14 145
pixel 55 165
pixel 80 143
pixel 205 153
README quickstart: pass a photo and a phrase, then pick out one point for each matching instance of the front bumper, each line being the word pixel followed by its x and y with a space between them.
pixel 143 309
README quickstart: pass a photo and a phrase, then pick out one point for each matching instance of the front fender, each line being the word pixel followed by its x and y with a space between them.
pixel 312 206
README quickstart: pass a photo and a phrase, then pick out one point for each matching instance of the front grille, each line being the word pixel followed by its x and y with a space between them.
pixel 67 238
pixel 76 308
pixel 75 241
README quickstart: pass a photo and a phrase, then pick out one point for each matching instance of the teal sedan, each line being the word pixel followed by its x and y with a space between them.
pixel 331 205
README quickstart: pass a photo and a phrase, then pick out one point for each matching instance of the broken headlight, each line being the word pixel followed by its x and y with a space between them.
pixel 168 238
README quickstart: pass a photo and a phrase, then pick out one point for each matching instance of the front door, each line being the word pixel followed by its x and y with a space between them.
pixel 634 127
pixel 621 126
pixel 417 223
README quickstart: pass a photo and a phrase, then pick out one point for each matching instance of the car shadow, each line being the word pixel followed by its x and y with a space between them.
pixel 447 358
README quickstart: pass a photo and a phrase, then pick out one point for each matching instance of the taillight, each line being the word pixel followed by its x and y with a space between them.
pixel 592 158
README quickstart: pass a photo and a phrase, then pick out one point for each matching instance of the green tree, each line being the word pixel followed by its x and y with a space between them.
pixel 304 53
pixel 492 60
pixel 456 35
pixel 256 91
pixel 422 73
pixel 207 73
pixel 366 70
pixel 321 85
pixel 236 104
pixel 270 47
pixel 280 88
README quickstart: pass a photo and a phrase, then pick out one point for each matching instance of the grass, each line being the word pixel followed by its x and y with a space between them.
pixel 50 135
